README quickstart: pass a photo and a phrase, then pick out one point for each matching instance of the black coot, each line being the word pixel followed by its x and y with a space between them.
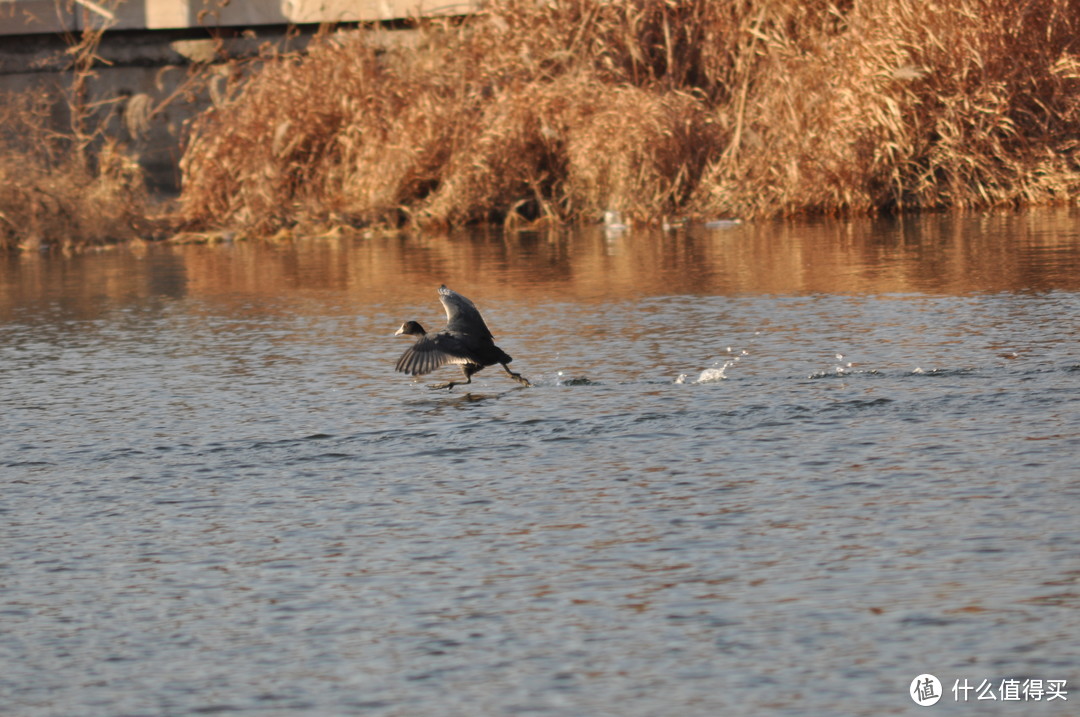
pixel 466 341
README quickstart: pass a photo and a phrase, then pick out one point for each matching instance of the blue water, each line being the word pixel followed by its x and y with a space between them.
pixel 218 497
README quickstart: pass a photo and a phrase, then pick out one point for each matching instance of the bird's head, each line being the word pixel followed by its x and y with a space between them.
pixel 410 328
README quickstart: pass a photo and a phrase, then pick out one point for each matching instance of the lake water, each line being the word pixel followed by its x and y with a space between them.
pixel 765 469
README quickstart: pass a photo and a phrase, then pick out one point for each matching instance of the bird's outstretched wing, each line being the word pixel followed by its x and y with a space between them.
pixel 430 353
pixel 462 315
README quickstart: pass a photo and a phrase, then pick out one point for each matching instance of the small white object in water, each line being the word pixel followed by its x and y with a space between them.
pixel 613 221
pixel 918 370
pixel 722 223
pixel 670 224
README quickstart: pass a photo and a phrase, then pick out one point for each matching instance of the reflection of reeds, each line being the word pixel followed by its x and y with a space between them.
pixel 567 108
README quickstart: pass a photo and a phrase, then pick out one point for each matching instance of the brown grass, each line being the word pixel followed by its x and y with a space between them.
pixel 58 193
pixel 909 105
pixel 554 110
pixel 654 107
pixel 64 188
pixel 558 110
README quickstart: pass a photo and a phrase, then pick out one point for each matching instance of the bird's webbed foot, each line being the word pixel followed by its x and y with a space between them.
pixel 516 376
pixel 439 386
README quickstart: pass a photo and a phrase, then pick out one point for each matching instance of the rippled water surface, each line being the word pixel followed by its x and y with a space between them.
pixel 773 469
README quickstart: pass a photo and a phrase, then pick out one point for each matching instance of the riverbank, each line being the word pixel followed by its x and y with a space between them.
pixel 531 114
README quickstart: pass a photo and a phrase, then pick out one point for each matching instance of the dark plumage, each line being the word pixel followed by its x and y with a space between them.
pixel 466 341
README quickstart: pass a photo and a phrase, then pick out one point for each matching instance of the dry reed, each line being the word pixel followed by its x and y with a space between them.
pixel 556 110
pixel 56 193
pixel 559 110
pixel 909 105
pixel 64 189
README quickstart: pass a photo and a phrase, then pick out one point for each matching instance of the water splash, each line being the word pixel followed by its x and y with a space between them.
pixel 712 374
pixel 560 380
pixel 842 369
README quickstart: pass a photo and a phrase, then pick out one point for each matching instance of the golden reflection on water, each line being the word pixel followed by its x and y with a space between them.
pixel 936 254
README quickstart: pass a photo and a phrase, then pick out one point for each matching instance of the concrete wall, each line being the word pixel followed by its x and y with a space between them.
pixel 20 17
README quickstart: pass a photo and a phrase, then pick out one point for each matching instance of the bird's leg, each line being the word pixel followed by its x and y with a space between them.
pixel 516 376
pixel 468 369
